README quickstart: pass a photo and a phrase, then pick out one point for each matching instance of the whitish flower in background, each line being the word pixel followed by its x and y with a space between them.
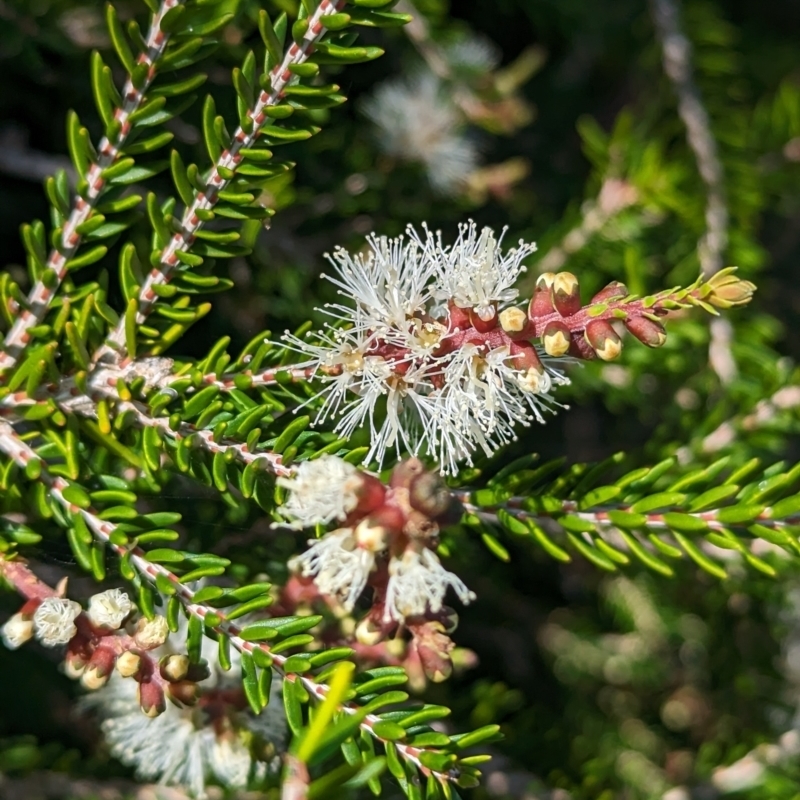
pixel 108 609
pixel 473 53
pixel 422 355
pixel 321 491
pixel 418 583
pixel 418 122
pixel 54 621
pixel 215 740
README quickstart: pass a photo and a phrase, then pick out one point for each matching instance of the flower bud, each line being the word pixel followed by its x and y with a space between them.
pixel 434 647
pixel 604 339
pixel 129 663
pixel 580 348
pixel 151 699
pixel 542 301
pixel 556 339
pixel 98 669
pixel 405 472
pixel 429 494
pixel 369 491
pixel 17 631
pixel 566 294
pixel 151 633
pixel 647 331
pixel 183 693
pixel 727 290
pixel 525 357
pixel 513 320
pixel 458 318
pixel 483 319
pixel 614 291
pixel 174 667
pixel 73 669
pixel 368 632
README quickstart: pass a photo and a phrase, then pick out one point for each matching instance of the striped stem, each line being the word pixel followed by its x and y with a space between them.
pixel 43 291
pixel 114 348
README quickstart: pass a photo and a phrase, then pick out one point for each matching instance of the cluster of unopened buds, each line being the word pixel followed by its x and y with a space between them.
pixel 433 352
pixel 387 539
pixel 107 636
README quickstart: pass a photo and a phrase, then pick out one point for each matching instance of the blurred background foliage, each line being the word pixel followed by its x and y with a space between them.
pixel 555 119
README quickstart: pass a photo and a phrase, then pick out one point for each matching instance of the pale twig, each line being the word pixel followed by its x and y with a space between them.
pixel 103 531
pixel 114 348
pixel 677 55
pixel 43 291
pixel 85 405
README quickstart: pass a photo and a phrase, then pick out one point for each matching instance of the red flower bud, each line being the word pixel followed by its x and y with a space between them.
pixel 647 331
pixel 542 301
pixel 430 495
pixel 183 693
pixel 566 294
pixel 556 339
pixel 613 291
pixel 604 339
pixel 458 318
pixel 485 321
pixel 371 494
pixel 151 698
pixel 99 668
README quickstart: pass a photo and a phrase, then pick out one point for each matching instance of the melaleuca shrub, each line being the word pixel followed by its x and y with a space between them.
pixel 383 434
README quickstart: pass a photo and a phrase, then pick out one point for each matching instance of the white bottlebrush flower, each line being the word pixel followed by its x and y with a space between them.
pixel 16 631
pixel 192 745
pixel 418 583
pixel 485 397
pixel 108 609
pixel 394 361
pixel 386 285
pixel 417 121
pixel 475 272
pixel 321 491
pixel 339 564
pixel 54 621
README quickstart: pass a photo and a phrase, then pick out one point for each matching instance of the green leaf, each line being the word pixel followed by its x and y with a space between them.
pixel 390 731
pixel 102 98
pixel 655 502
pixel 119 40
pixel 293 706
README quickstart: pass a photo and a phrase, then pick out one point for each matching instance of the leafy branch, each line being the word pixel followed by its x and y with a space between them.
pixel 652 515
pixel 123 115
pixel 438 759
